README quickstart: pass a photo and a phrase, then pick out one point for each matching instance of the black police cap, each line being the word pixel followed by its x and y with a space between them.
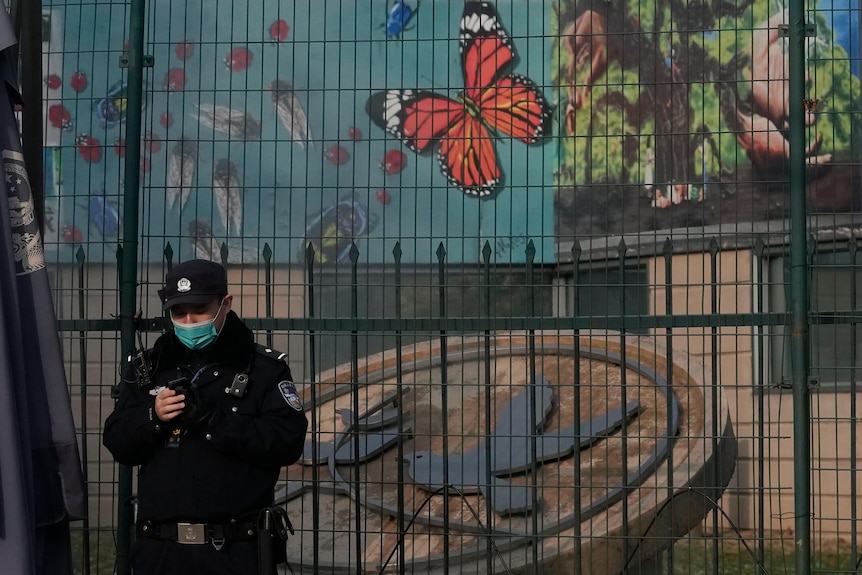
pixel 194 281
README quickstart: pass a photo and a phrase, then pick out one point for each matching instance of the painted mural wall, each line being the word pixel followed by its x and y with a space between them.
pixel 676 114
pixel 326 123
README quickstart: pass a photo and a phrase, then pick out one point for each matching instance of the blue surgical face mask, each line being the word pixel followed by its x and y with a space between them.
pixel 197 335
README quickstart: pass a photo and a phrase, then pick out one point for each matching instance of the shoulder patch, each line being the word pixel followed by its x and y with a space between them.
pixel 288 392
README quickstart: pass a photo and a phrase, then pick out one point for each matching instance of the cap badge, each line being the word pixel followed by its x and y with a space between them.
pixel 184 285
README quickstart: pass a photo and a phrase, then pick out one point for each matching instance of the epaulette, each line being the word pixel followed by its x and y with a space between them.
pixel 272 353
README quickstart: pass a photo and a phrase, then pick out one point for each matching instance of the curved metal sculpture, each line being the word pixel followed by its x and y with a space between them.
pixel 502 468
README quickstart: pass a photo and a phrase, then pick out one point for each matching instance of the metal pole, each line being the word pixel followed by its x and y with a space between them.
pixel 134 61
pixel 799 291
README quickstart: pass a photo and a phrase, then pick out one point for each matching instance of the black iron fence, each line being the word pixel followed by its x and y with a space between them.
pixel 465 418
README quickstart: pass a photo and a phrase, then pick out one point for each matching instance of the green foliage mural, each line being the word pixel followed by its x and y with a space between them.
pixel 676 114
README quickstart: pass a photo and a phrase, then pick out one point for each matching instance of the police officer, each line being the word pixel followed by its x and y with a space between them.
pixel 210 417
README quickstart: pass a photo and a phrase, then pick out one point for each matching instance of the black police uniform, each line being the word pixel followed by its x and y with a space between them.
pixel 215 466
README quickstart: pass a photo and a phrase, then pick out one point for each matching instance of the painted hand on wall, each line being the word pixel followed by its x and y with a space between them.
pixel 586 42
pixel 761 135
pixel 770 73
pixel 764 142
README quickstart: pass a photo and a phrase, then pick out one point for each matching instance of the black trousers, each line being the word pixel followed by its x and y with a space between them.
pixel 160 557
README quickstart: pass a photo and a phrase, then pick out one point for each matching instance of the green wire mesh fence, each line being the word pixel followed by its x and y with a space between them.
pixel 531 260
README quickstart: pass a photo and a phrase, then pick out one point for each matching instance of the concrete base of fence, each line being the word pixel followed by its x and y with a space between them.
pixel 610 504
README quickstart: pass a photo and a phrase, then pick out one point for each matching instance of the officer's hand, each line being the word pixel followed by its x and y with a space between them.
pixel 169 404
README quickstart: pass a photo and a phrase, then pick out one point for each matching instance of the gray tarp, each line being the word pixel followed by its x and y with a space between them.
pixel 41 480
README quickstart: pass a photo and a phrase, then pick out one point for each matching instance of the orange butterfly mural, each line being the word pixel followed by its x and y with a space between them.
pixel 492 100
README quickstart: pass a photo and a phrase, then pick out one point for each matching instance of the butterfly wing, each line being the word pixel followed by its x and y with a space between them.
pixel 467 157
pixel 486 50
pixel 492 99
pixel 515 107
pixel 417 118
pixel 511 103
pixel 507 103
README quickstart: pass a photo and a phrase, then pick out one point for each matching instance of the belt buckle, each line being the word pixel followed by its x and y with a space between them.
pixel 191 533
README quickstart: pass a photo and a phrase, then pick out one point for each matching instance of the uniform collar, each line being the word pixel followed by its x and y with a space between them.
pixel 233 347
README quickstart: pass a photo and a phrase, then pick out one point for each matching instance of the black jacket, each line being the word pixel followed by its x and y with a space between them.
pixel 225 466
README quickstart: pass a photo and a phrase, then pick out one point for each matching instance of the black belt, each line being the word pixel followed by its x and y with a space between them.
pixel 197 533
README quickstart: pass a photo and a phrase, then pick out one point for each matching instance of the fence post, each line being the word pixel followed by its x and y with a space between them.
pixel 134 61
pixel 799 332
pixel 354 397
pixel 399 369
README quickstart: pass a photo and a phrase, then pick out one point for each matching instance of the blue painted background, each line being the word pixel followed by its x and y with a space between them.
pixel 336 55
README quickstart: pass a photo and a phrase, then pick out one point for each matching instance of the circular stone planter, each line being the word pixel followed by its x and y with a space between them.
pixel 631 447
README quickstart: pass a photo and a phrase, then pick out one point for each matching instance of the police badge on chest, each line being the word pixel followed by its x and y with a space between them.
pixel 174 439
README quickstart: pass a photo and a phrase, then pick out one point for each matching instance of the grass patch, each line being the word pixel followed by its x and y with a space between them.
pixel 103 552
pixel 695 556
pixel 692 556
